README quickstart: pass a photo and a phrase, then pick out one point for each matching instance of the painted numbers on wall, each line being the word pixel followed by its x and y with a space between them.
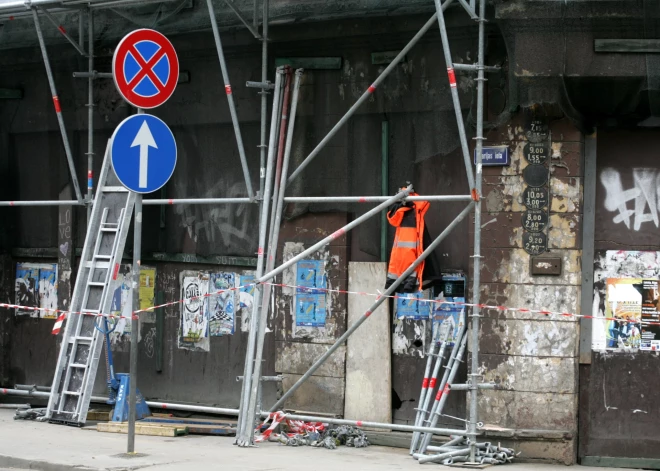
pixel 36 286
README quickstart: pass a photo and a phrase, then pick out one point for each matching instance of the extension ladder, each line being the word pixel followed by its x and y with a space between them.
pixel 82 342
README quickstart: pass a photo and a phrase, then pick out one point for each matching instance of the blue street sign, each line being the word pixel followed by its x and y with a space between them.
pixel 143 153
pixel 497 155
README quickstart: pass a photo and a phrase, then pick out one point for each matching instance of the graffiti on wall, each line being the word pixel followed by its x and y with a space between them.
pixel 36 286
pixel 632 206
pixel 194 325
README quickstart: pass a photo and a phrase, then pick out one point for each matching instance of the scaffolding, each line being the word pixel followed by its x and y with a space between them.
pixel 273 182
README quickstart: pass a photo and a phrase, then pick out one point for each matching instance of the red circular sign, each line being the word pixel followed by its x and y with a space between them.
pixel 145 68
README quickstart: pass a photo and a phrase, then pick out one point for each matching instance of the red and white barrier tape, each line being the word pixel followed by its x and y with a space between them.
pixel 296 427
pixel 134 314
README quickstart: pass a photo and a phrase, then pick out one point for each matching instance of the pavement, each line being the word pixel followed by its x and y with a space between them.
pixel 48 447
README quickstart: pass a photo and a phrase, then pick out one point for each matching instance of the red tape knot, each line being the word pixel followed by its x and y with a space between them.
pixel 372 88
pixel 11 203
pixel 546 313
pixel 260 251
pixel 170 201
pixel 61 28
pixel 425 383
pixel 228 89
pixel 362 200
pixel 359 423
pixel 452 77
pixel 475 194
pixel 502 308
pixel 432 383
pixel 56 102
pixel 367 314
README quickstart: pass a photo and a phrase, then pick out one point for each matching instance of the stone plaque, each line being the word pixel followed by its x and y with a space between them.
pixel 536 153
pixel 534 220
pixel 535 243
pixel 535 175
pixel 535 198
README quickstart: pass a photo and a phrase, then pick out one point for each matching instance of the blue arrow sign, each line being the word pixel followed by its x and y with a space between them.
pixel 143 153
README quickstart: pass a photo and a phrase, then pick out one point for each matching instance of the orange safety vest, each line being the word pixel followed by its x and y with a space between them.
pixel 408 218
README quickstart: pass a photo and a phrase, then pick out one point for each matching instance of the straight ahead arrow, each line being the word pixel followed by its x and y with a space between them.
pixel 144 139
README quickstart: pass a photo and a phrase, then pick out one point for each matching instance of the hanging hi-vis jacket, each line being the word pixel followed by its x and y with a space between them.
pixel 408 218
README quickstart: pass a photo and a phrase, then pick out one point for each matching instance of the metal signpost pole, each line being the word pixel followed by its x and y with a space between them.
pixel 90 111
pixel 137 249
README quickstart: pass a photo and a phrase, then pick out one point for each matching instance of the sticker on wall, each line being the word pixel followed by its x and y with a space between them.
pixel 121 303
pixel 310 300
pixel 194 325
pixel 222 304
pixel 623 307
pixel 36 286
pixel 147 294
pixel 449 317
pixel 245 300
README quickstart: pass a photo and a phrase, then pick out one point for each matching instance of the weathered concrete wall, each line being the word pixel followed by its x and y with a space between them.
pixel 533 357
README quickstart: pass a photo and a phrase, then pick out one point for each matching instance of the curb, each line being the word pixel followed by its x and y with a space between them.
pixel 24 463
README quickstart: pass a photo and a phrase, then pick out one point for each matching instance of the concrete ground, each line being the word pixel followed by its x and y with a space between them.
pixel 48 447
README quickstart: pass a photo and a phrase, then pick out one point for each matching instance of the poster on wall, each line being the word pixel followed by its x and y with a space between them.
pixel 147 294
pixel 121 303
pixel 409 306
pixel 222 304
pixel 245 299
pixel 310 299
pixel 194 325
pixel 650 316
pixel 36 286
pixel 449 316
pixel 623 310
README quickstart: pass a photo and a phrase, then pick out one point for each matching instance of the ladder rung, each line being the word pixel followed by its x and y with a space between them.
pixel 71 393
pixel 110 229
pixel 95 283
pixel 114 189
pixel 98 265
pixel 77 365
pixel 102 257
pixel 83 339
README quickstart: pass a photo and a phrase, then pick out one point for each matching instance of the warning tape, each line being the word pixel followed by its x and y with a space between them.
pixel 296 427
pixel 306 289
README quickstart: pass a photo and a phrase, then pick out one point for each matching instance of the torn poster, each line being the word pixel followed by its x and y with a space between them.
pixel 245 300
pixel 623 308
pixel 310 301
pixel 194 325
pixel 449 317
pixel 147 294
pixel 409 306
pixel 650 314
pixel 121 304
pixel 36 286
pixel 222 302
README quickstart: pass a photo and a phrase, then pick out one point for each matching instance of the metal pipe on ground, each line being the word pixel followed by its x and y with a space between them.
pixel 454 92
pixel 230 99
pixel 437 458
pixel 335 235
pixel 427 392
pixel 56 103
pixel 375 305
pixel 244 431
pixel 425 386
pixel 365 96
pixel 276 220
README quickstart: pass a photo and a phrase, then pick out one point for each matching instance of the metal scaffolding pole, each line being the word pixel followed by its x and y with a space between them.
pixel 42 203
pixel 371 199
pixel 454 93
pixel 252 29
pixel 159 202
pixel 474 377
pixel 90 112
pixel 374 306
pixel 365 96
pixel 264 99
pixel 335 235
pixel 56 102
pixel 276 219
pixel 230 99
pixel 244 427
pixel 61 29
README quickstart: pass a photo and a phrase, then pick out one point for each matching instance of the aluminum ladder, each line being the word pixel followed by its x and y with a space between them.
pixel 82 342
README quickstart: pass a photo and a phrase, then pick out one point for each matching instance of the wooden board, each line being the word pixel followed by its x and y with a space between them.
pixel 104 415
pixel 161 430
pixel 195 426
pixel 368 351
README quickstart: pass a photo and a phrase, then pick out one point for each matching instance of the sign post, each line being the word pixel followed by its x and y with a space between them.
pixel 145 69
